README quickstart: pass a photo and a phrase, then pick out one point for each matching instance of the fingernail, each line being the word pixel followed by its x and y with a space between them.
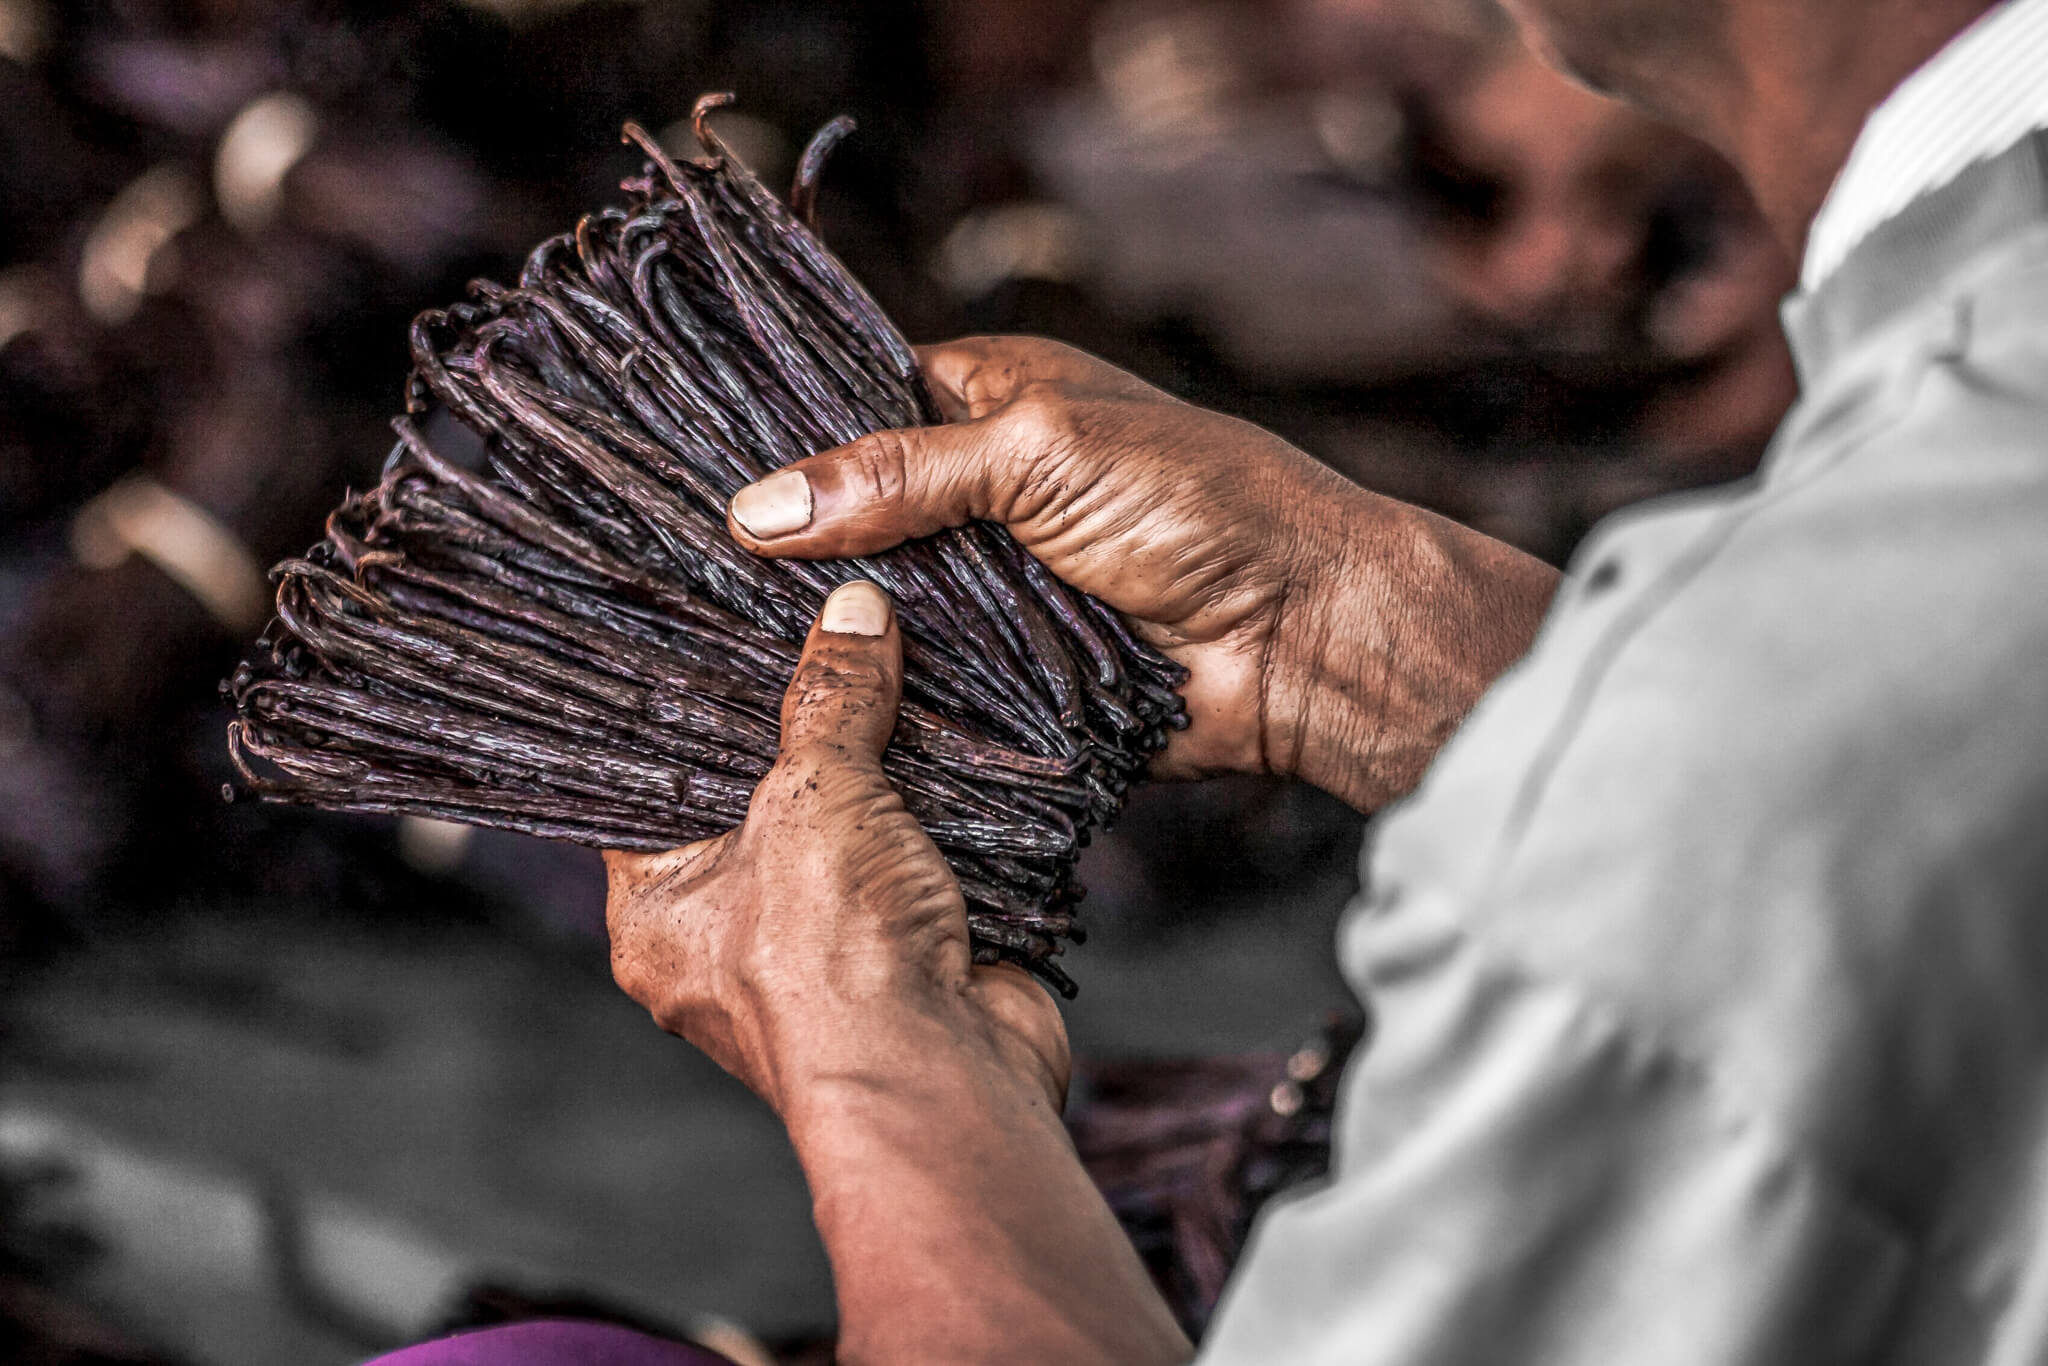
pixel 775 506
pixel 856 609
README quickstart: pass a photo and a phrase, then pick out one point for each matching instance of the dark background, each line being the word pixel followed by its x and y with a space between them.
pixel 285 1087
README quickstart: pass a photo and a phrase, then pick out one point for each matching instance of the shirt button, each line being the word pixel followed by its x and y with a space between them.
pixel 1604 576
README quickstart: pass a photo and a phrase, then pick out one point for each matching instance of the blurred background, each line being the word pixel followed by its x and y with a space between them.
pixel 283 1087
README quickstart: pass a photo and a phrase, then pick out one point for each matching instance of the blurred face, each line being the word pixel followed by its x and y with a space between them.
pixel 1546 192
pixel 1608 244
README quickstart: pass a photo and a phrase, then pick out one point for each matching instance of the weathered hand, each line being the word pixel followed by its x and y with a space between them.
pixel 795 948
pixel 819 953
pixel 1290 594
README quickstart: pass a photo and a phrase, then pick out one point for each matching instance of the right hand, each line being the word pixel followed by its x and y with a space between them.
pixel 823 941
pixel 1283 588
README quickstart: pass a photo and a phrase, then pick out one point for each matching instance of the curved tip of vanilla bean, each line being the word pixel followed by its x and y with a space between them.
pixel 810 167
pixel 633 133
pixel 238 746
pixel 700 114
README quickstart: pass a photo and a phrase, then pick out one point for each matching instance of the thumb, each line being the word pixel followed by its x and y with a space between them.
pixel 850 678
pixel 875 492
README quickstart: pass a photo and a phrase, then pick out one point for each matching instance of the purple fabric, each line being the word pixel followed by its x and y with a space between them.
pixel 551 1343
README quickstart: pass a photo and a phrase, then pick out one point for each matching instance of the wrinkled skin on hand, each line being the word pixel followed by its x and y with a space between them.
pixel 775 947
pixel 820 952
pixel 1178 517
pixel 1289 593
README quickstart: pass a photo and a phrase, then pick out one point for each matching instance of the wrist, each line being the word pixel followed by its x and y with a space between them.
pixel 1396 622
pixel 912 1057
pixel 902 1160
pixel 843 1121
pixel 961 1226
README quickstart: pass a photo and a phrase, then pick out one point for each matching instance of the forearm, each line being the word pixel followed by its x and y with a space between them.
pixel 960 1225
pixel 1404 626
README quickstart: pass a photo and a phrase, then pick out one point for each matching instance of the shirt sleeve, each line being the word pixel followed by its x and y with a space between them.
pixel 1526 1176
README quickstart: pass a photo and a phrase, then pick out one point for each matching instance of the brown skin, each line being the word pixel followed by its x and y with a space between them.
pixel 689 925
pixel 1288 592
pixel 820 950
pixel 819 953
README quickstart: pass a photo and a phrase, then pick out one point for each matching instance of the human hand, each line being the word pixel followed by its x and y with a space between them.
pixel 823 942
pixel 1329 633
pixel 819 953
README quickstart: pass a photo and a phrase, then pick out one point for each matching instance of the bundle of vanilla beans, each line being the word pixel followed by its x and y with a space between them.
pixel 563 639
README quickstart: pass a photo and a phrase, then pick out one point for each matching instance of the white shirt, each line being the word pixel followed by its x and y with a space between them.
pixel 1707 963
pixel 1976 97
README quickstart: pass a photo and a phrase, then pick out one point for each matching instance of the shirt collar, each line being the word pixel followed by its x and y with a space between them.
pixel 1918 259
pixel 1973 99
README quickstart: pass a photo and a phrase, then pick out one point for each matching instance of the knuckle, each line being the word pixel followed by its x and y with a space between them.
pixel 1042 421
pixel 675 977
pixel 830 675
pixel 877 811
pixel 991 371
pixel 786 784
pixel 887 856
pixel 877 467
pixel 831 691
pixel 631 956
pixel 1051 439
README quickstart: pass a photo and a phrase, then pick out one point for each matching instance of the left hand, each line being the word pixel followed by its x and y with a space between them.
pixel 824 940
pixel 1330 634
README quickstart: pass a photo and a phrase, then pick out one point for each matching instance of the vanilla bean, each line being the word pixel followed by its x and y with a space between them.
pixel 567 643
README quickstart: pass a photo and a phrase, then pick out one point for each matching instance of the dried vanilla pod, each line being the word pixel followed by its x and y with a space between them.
pixel 568 643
